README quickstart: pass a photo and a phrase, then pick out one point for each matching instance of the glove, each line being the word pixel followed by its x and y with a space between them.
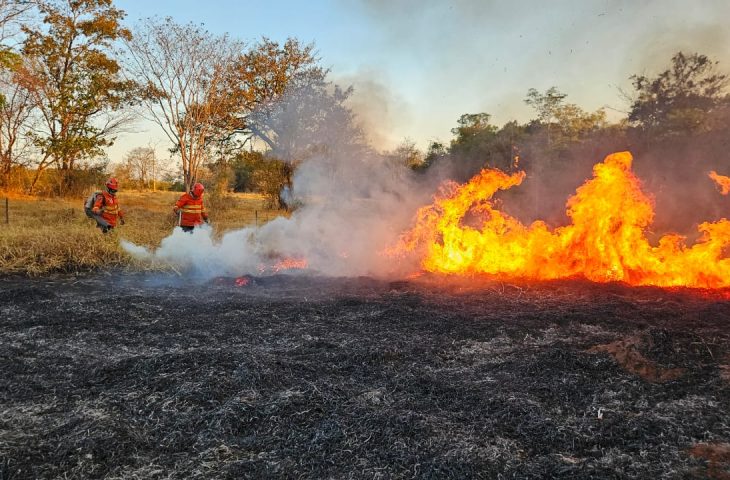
pixel 121 221
pixel 206 221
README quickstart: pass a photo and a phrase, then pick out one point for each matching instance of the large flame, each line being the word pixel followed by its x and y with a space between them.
pixel 463 232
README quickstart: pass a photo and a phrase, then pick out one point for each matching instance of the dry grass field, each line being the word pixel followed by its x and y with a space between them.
pixel 54 235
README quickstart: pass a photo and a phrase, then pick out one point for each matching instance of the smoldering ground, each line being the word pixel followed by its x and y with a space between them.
pixel 140 376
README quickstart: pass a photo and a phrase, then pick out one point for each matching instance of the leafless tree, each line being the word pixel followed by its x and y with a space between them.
pixel 184 70
pixel 16 121
pixel 12 14
pixel 141 162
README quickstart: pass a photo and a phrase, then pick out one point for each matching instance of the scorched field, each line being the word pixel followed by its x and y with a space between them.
pixel 141 376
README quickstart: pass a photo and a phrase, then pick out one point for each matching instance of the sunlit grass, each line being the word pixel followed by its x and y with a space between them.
pixel 54 235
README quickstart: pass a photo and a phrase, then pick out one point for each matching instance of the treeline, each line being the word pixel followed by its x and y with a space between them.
pixel 73 76
pixel 677 125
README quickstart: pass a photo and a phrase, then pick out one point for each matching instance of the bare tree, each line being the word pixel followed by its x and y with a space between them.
pixel 141 162
pixel 12 14
pixel 184 69
pixel 16 121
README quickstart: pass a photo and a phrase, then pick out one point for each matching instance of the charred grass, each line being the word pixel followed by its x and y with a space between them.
pixel 289 377
pixel 54 235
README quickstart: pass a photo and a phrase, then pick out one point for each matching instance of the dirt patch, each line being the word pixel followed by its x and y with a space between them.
pixel 718 459
pixel 628 355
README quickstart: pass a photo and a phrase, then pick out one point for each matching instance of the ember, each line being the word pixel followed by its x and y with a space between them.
pixel 289 264
pixel 605 242
pixel 242 281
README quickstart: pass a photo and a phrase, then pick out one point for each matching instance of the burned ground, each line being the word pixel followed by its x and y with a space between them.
pixel 296 377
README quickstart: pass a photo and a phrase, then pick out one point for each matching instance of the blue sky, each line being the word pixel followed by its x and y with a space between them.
pixel 418 65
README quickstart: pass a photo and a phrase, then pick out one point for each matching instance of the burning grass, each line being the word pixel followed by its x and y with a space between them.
pixel 301 377
pixel 56 236
pixel 464 232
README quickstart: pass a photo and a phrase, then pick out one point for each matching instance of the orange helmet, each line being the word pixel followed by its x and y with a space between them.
pixel 198 189
pixel 112 185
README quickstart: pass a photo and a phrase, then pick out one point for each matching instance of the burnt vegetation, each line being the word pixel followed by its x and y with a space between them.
pixel 300 377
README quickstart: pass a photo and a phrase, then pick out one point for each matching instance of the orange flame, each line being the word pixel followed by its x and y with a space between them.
pixel 290 264
pixel 722 181
pixel 604 242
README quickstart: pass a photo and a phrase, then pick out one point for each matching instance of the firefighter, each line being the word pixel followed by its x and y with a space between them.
pixel 190 209
pixel 106 209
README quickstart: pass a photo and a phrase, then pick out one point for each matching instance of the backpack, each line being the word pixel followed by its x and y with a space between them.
pixel 89 204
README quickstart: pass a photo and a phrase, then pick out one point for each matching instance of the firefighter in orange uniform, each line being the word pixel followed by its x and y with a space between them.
pixel 190 209
pixel 106 209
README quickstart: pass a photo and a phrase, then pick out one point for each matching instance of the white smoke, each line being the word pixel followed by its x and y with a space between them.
pixel 336 232
pixel 355 203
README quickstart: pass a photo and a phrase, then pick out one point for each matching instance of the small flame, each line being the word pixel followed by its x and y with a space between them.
pixel 289 264
pixel 242 281
pixel 722 181
pixel 604 242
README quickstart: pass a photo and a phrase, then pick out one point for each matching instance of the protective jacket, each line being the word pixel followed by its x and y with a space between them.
pixel 191 210
pixel 107 206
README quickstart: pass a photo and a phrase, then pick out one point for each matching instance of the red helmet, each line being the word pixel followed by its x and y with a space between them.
pixel 112 184
pixel 198 189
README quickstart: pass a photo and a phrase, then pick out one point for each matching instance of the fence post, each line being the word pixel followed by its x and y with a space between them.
pixel 256 216
pixel 7 212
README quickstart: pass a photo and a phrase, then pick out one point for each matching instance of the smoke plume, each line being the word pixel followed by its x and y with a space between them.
pixel 354 203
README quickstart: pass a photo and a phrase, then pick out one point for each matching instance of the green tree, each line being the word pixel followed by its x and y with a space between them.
pixel 436 151
pixel 680 99
pixel 478 143
pixel 545 104
pixel 473 125
pixel 76 81
pixel 563 123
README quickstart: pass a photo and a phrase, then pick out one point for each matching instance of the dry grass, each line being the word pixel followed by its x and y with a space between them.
pixel 54 235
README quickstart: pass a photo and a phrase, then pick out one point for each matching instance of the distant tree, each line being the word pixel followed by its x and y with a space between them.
pixel 75 81
pixel 436 151
pixel 679 99
pixel 407 155
pixel 270 178
pixel 242 166
pixel 573 123
pixel 141 163
pixel 545 104
pixel 185 70
pixel 471 125
pixel 477 144
pixel 563 123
